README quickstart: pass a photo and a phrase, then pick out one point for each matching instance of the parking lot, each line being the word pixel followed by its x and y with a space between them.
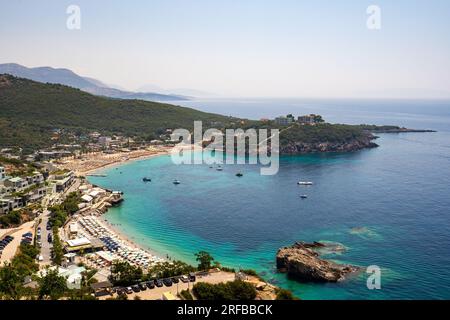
pixel 11 249
pixel 157 292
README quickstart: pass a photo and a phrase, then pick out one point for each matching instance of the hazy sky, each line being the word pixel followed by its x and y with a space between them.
pixel 240 48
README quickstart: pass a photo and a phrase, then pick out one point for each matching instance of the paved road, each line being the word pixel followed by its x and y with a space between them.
pixel 46 246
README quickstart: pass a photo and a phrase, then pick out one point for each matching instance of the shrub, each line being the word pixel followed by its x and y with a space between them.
pixel 235 290
pixel 186 295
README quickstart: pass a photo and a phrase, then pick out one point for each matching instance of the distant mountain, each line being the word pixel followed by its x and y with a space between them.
pixel 30 110
pixel 71 79
pixel 179 91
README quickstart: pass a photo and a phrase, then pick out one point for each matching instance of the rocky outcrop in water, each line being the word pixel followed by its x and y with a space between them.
pixel 303 263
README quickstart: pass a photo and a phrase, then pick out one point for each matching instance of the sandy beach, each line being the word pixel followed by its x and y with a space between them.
pixel 127 238
pixel 90 163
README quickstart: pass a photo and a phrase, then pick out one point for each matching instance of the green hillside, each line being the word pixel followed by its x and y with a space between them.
pixel 30 110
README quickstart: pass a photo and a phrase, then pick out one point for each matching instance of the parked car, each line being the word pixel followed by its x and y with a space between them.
pixel 150 284
pixel 128 290
pixel 184 279
pixel 142 286
pixel 192 277
pixel 158 283
pixel 136 288
pixel 50 238
pixel 175 280
pixel 167 282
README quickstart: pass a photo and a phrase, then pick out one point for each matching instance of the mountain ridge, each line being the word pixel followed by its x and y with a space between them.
pixel 69 78
pixel 31 110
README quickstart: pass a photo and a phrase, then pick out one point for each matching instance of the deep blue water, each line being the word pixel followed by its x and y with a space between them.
pixel 397 194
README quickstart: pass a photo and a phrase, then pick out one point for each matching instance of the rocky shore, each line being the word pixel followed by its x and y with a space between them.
pixel 302 262
pixel 348 146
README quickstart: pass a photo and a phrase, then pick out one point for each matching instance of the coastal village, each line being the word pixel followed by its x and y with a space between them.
pixel 52 215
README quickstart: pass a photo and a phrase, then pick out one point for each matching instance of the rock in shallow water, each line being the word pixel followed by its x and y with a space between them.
pixel 301 262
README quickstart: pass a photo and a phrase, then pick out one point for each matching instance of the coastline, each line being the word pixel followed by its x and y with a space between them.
pixel 92 163
pixel 123 162
pixel 127 238
pixel 120 233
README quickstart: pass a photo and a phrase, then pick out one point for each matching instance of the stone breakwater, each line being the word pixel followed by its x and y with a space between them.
pixel 302 262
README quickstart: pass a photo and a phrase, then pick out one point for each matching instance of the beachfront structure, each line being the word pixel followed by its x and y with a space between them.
pixel 37 194
pixel 83 244
pixel 310 119
pixel 2 174
pixel 9 204
pixel 48 155
pixel 4 206
pixel 104 141
pixel 35 178
pixel 87 198
pixel 73 230
pixel 285 121
pixel 102 288
pixel 72 274
pixel 16 184
pixel 63 181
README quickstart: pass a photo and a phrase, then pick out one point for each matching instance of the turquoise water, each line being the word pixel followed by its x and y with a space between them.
pixel 397 196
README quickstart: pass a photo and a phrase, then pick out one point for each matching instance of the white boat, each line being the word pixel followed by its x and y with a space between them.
pixel 176 182
pixel 305 183
pixel 219 168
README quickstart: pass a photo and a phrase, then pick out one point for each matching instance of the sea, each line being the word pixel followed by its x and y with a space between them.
pixel 388 207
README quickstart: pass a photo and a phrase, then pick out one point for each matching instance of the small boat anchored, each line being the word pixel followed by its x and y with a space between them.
pixel 145 179
pixel 303 196
pixel 219 168
pixel 305 183
pixel 239 174
pixel 100 175
pixel 176 181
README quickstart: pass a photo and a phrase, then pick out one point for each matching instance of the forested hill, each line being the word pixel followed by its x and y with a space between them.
pixel 30 110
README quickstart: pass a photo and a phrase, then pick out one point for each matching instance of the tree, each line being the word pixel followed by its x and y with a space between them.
pixel 283 294
pixel 52 286
pixel 234 290
pixel 11 282
pixel 204 259
pixel 124 274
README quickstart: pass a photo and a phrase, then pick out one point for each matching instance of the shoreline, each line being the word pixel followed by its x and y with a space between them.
pixel 126 238
pixel 92 163
pixel 123 162
pixel 121 234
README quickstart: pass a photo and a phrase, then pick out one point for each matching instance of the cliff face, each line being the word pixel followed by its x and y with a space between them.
pixel 301 262
pixel 296 147
pixel 325 138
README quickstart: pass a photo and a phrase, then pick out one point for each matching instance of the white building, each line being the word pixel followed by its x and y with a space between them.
pixel 35 178
pixel 16 184
pixel 2 174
